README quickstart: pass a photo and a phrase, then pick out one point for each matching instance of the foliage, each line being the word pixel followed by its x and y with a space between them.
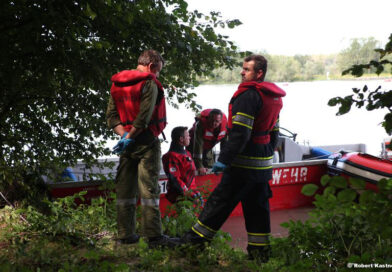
pixel 359 51
pixel 372 99
pixel 80 238
pixel 181 219
pixel 66 236
pixel 280 68
pixel 348 225
pixel 56 61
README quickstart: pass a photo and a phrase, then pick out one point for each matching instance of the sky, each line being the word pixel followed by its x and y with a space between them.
pixel 307 27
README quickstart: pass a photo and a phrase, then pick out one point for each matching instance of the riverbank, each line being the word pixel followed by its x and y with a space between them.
pixel 365 77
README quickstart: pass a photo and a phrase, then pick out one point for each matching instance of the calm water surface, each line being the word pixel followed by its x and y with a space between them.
pixel 305 112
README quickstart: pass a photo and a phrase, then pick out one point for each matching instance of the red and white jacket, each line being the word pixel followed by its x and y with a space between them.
pixel 210 139
pixel 180 170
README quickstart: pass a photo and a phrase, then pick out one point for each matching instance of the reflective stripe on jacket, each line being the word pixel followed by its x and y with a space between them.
pixel 264 123
pixel 257 155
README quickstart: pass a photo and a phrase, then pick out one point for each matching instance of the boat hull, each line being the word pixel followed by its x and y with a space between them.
pixel 286 185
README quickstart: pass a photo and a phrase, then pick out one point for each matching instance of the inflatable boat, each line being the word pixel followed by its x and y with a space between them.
pixel 360 165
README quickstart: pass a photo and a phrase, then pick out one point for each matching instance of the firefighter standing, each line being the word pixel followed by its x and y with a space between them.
pixel 137 113
pixel 246 161
pixel 180 168
pixel 209 129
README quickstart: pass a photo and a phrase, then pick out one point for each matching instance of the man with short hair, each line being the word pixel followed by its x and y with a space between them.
pixel 246 161
pixel 180 168
pixel 137 113
pixel 209 129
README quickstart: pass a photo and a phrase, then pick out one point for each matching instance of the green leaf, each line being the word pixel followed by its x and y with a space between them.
pixel 339 182
pixel 366 197
pixel 285 225
pixel 330 190
pixel 347 195
pixel 325 180
pixel 385 184
pixel 90 12
pixel 333 101
pixel 357 183
pixel 309 189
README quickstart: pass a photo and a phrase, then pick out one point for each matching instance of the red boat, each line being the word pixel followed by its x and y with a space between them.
pixel 360 165
pixel 288 180
pixel 297 165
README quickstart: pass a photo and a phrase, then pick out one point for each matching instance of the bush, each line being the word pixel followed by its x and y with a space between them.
pixel 348 225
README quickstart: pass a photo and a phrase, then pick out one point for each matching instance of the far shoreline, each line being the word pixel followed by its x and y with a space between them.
pixel 368 78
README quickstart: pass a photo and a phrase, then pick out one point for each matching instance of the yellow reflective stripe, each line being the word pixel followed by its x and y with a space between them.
pixel 204 226
pixel 246 115
pixel 258 234
pixel 243 120
pixel 255 158
pixel 259 244
pixel 201 235
pixel 251 167
pixel 241 124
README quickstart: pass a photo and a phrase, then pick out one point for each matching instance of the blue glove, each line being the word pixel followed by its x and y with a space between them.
pixel 197 195
pixel 122 144
pixel 201 200
pixel 218 167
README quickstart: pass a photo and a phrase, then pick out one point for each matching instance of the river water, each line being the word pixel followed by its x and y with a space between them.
pixel 305 112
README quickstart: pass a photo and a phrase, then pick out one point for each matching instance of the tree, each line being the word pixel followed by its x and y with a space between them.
pixel 311 69
pixel 283 68
pixel 373 99
pixel 57 58
pixel 360 51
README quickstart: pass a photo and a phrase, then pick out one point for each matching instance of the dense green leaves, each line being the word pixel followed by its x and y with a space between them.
pixel 82 238
pixel 346 226
pixel 57 58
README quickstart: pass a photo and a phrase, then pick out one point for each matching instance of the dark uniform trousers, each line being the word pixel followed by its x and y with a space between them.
pixel 138 172
pixel 251 188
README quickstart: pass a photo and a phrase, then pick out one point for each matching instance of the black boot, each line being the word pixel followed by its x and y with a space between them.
pixel 192 238
pixel 164 241
pixel 260 254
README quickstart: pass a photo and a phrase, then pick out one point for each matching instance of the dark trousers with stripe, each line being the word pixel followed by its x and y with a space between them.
pixel 251 188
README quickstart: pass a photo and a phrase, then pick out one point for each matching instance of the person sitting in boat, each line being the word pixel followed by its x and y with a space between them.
pixel 209 129
pixel 180 168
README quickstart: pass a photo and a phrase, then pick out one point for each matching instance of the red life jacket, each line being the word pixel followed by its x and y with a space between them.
pixel 179 169
pixel 126 92
pixel 210 139
pixel 272 104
